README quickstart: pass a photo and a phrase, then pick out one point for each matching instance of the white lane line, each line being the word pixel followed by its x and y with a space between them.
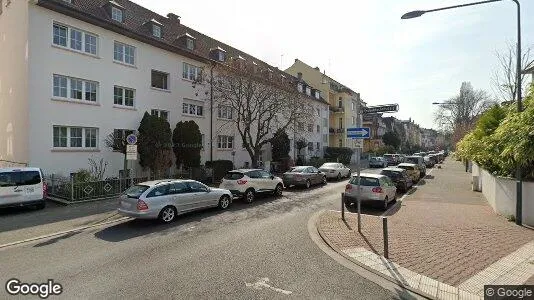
pixel 262 283
pixel 63 232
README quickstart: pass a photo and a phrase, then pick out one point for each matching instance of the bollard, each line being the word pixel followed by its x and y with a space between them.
pixel 343 206
pixel 385 231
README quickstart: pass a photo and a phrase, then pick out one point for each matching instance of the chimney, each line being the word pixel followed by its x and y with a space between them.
pixel 173 17
pixel 317 68
pixel 299 75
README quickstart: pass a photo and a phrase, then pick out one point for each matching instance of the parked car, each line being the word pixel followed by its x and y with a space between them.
pixel 434 158
pixel 412 169
pixel 402 158
pixel 246 183
pixel 166 199
pixel 400 177
pixel 374 188
pixel 335 170
pixel 303 176
pixel 420 161
pixel 429 163
pixel 22 187
pixel 377 162
pixel 392 159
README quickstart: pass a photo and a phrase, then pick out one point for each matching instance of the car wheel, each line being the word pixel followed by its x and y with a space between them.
pixel 224 202
pixel 167 214
pixel 324 179
pixel 278 190
pixel 386 203
pixel 249 196
pixel 338 176
pixel 308 183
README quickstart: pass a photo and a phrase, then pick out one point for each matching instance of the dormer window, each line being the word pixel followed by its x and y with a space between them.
pixel 190 44
pixel 299 86
pixel 156 30
pixel 317 95
pixel 116 14
pixel 308 91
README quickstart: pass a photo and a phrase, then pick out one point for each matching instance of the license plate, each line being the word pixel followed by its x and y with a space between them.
pixel 29 190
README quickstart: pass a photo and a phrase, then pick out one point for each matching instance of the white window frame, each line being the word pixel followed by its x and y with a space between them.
pixel 225 142
pixel 120 55
pixel 308 91
pixel 117 14
pixel 191 109
pixel 225 112
pixel 156 30
pixel 85 47
pixel 123 96
pixel 189 70
pixel 299 87
pixel 69 97
pixel 190 43
pixel 158 113
pixel 167 81
pixel 85 131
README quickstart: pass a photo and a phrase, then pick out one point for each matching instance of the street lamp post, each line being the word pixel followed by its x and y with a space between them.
pixel 519 184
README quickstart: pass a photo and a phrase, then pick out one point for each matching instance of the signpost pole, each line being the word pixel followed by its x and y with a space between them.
pixel 358 169
pixel 131 154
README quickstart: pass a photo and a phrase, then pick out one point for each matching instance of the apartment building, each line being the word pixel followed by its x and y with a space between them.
pixel 74 72
pixel 342 100
pixel 378 129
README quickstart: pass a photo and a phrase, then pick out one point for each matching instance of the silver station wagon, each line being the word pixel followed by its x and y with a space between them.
pixel 165 199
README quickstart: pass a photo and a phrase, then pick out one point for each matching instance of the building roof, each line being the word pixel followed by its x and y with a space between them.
pixel 133 26
pixel 334 84
pixel 529 68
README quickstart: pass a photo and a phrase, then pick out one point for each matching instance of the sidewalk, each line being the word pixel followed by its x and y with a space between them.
pixel 445 240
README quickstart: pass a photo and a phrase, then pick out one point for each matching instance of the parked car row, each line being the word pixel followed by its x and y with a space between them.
pixel 166 199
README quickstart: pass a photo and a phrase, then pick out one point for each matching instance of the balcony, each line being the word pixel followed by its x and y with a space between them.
pixel 336 130
pixel 337 109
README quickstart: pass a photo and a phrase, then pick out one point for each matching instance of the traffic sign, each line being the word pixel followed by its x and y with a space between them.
pixel 358 133
pixel 381 108
pixel 131 152
pixel 131 139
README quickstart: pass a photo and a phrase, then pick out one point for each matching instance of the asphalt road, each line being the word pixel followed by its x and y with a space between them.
pixel 257 251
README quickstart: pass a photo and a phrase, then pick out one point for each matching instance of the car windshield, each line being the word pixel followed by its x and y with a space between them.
pixel 413 160
pixel 233 175
pixel 136 190
pixel 299 169
pixel 391 174
pixel 19 178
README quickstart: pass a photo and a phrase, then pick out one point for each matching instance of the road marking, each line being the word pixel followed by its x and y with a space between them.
pixel 63 232
pixel 262 283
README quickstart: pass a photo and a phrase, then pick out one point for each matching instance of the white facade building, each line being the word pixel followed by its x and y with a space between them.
pixel 69 78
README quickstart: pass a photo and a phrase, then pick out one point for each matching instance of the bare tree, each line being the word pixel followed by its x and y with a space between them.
pixel 262 101
pixel 459 113
pixel 504 79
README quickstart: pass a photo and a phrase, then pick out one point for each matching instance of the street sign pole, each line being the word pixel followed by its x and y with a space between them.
pixel 359 167
pixel 131 154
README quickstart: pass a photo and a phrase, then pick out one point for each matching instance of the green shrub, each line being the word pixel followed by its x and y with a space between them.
pixel 341 154
pixel 317 161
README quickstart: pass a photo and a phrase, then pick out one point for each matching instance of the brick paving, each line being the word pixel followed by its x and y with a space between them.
pixel 443 230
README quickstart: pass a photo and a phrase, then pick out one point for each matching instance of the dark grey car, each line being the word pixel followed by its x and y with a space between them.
pixel 305 176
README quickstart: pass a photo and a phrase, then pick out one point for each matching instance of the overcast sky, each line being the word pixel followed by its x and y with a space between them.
pixel 365 45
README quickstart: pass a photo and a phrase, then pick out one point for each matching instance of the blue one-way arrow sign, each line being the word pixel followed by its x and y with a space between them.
pixel 358 133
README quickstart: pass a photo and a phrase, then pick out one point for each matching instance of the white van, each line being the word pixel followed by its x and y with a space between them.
pixel 22 187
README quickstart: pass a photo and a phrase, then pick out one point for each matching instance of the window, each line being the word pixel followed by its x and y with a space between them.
pixel 160 113
pixel 353 120
pixel 190 44
pixel 310 146
pixel 224 112
pixel 116 14
pixel 60 86
pixel 160 80
pixel 318 112
pixel 156 30
pixel 310 127
pixel 74 88
pixel 202 137
pixel 191 72
pixel 340 122
pixel 299 87
pixel 317 95
pixel 308 91
pixel 123 96
pixel 124 53
pixel 160 190
pixel 192 109
pixel 60 35
pixel 318 128
pixel 318 146
pixel 352 106
pixel 79 40
pixel 196 187
pixel 340 103
pixel 75 137
pixel 340 143
pixel 221 56
pixel 90 43
pixel 225 142
pixel 178 188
